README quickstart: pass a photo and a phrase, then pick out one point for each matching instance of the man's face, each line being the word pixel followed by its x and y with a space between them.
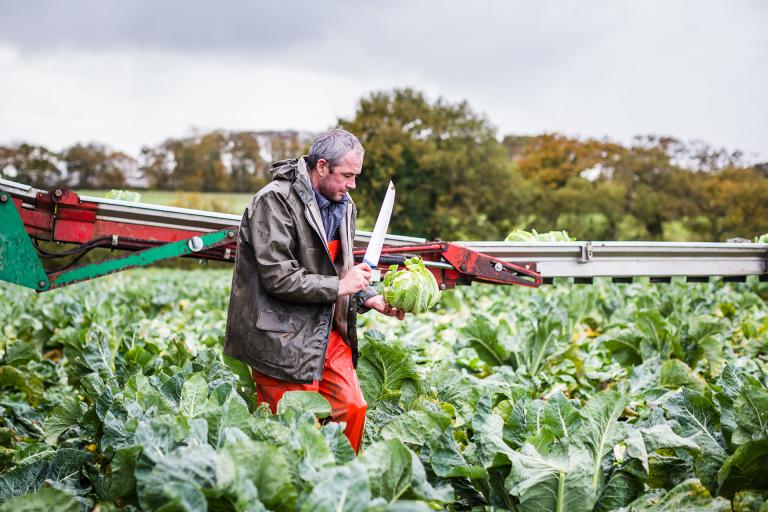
pixel 334 185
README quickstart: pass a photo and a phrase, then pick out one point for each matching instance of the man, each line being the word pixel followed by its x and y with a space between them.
pixel 296 290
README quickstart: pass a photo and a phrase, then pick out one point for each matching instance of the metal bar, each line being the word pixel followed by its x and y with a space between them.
pixel 142 258
pixel 633 259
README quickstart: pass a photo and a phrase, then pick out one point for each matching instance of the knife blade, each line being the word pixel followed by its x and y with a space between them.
pixel 376 243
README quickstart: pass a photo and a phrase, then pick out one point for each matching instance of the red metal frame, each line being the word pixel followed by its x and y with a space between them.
pixel 61 216
pixel 468 265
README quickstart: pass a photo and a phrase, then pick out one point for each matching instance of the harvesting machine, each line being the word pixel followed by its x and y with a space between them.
pixel 148 233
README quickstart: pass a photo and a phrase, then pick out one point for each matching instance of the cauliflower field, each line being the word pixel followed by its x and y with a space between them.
pixel 114 395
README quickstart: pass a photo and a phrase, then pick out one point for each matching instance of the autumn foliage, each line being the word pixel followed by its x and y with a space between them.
pixel 457 178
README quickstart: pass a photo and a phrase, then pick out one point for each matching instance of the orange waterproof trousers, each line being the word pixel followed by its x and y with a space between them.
pixel 339 385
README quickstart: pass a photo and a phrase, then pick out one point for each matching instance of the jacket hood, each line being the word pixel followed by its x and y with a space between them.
pixel 284 169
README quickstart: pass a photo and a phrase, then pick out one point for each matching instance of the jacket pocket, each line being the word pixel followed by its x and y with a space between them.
pixel 278 322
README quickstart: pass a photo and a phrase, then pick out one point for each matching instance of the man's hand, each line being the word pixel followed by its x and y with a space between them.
pixel 377 302
pixel 354 280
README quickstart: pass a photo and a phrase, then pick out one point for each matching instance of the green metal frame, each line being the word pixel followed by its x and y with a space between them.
pixel 142 258
pixel 19 263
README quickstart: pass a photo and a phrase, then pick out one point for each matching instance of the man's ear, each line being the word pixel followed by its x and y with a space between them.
pixel 322 167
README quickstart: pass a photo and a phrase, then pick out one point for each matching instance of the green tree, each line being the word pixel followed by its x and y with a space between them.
pixel 283 145
pixel 569 184
pixel 453 177
pixel 157 165
pixel 199 165
pixel 247 168
pixel 95 166
pixel 649 178
pixel 217 161
pixel 726 203
pixel 33 165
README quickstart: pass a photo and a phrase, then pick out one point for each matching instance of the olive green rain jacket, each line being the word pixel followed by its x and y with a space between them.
pixel 284 288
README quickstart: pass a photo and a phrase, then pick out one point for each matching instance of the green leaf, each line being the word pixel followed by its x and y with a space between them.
pixel 23 381
pixel 340 489
pixel 194 395
pixel 67 414
pixel 698 420
pixel 750 410
pixel 389 468
pixel 745 469
pixel 559 418
pixel 47 498
pixel 233 413
pixel 446 459
pixel 304 402
pixel 730 382
pixel 488 340
pixel 123 467
pixel 92 386
pixel 20 352
pixel 662 436
pixel 119 427
pixel 550 483
pixel 265 466
pixel 675 374
pixel 172 389
pixel 314 453
pixel 414 426
pixel 600 430
pixel 421 488
pixel 61 469
pixel 520 235
pixel 689 496
pixel 488 428
pixel 66 470
pixel 516 425
pixel 626 474
pixel 383 367
pixel 657 333
pixel 243 372
pixel 333 433
pixel 705 340
pixel 97 354
pixel 177 478
pixel 23 479
pixel 624 345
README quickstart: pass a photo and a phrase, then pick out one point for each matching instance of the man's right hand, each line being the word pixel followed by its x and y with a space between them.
pixel 355 280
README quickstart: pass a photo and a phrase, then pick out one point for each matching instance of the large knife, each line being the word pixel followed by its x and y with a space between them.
pixel 376 242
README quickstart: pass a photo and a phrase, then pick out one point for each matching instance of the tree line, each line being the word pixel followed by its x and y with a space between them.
pixel 457 179
pixel 217 161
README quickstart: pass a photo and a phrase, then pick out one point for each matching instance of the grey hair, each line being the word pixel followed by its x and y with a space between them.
pixel 332 146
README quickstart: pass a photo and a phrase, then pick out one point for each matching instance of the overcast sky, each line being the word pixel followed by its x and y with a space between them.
pixel 133 72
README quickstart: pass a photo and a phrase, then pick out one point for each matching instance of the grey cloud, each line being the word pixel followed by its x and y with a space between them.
pixel 427 33
pixel 174 25
pixel 688 68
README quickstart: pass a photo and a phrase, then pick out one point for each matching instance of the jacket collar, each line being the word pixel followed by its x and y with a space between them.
pixel 302 184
